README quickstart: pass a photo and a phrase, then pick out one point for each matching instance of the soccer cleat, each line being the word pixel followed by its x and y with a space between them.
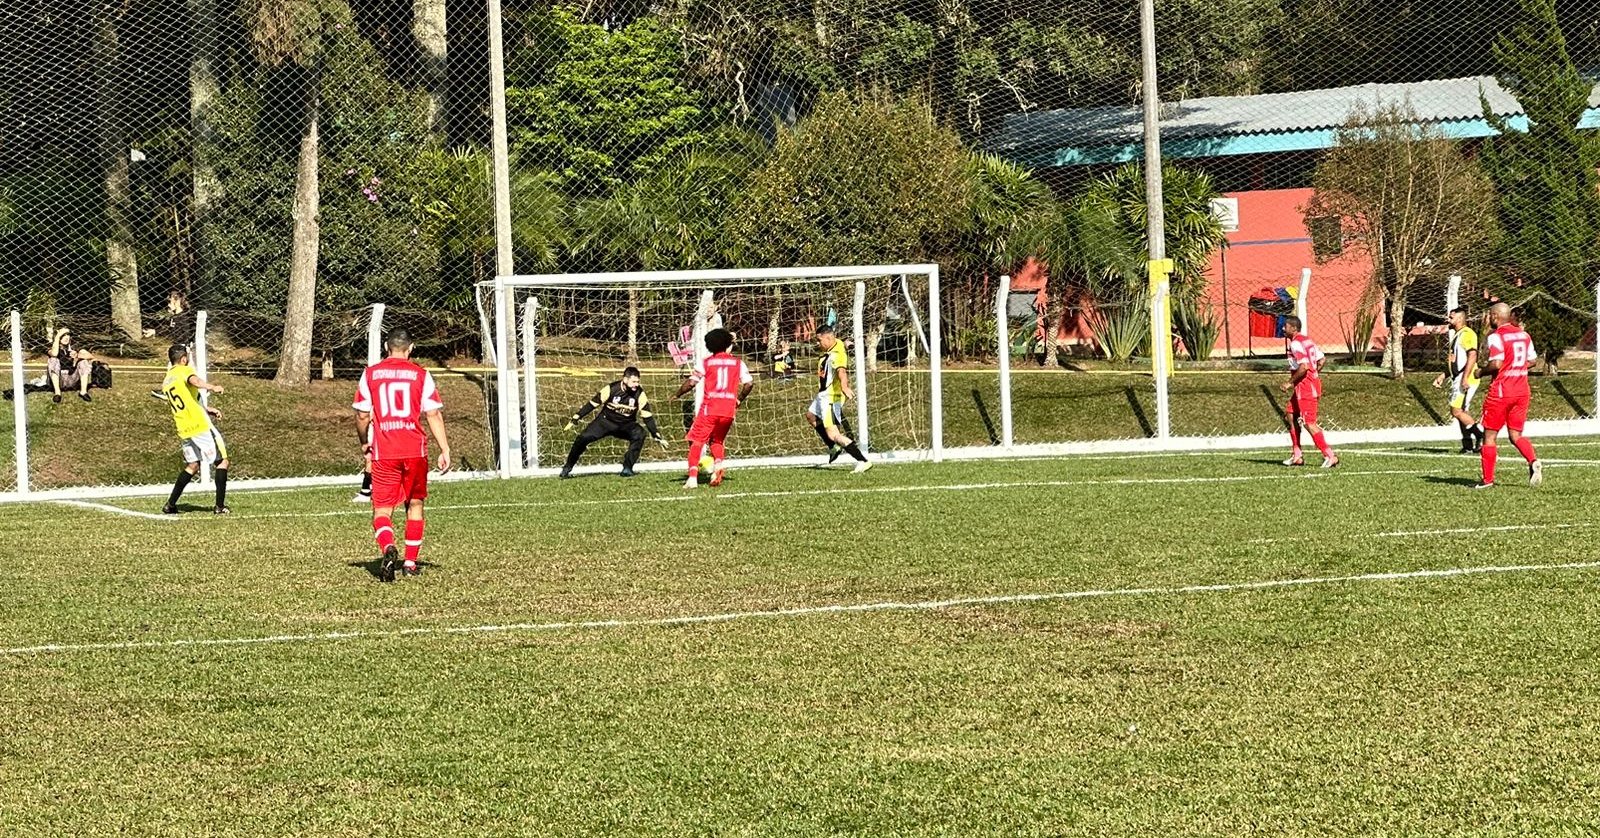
pixel 361 497
pixel 833 453
pixel 1535 473
pixel 627 472
pixel 1330 462
pixel 716 477
pixel 1484 486
pixel 411 569
pixel 391 556
pixel 86 397
pixel 566 474
pixel 222 510
pixel 1294 461
pixel 863 466
pixel 692 482
pixel 169 509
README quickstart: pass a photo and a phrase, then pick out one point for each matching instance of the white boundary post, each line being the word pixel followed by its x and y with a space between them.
pixel 530 393
pixel 1160 345
pixel 1300 304
pixel 697 334
pixel 859 333
pixel 19 406
pixel 504 370
pixel 1452 296
pixel 935 371
pixel 197 359
pixel 375 334
pixel 1003 328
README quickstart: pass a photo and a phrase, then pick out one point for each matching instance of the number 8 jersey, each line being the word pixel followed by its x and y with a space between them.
pixel 397 393
pixel 1512 347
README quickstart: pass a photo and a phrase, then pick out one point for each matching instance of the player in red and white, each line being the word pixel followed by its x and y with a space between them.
pixel 1305 389
pixel 394 396
pixel 1506 406
pixel 727 384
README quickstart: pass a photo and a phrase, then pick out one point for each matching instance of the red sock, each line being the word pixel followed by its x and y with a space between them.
pixel 413 540
pixel 1488 456
pixel 1294 438
pixel 383 531
pixel 718 448
pixel 1525 445
pixel 695 450
pixel 1322 444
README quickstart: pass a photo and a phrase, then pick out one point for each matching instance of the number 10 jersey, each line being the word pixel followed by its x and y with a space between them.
pixel 397 393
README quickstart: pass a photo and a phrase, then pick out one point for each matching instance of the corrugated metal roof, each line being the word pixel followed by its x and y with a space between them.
pixel 1027 135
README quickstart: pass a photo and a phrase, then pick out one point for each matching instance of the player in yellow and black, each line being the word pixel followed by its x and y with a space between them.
pixel 624 414
pixel 1463 378
pixel 826 413
pixel 202 442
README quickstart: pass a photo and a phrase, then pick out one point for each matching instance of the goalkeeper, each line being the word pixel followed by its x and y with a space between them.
pixel 623 407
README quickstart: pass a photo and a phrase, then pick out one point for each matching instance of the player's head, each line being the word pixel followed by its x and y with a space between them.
pixel 399 344
pixel 826 338
pixel 177 354
pixel 719 340
pixel 1458 317
pixel 1500 313
pixel 630 378
pixel 1291 326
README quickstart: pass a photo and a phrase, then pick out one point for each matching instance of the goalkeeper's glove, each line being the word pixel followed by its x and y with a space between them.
pixel 571 423
pixel 662 442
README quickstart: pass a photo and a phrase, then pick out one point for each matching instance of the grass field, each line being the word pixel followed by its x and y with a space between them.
pixel 1174 645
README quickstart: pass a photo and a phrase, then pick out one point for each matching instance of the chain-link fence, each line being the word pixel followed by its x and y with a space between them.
pixel 286 164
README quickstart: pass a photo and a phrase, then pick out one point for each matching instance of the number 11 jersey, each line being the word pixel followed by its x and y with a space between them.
pixel 397 393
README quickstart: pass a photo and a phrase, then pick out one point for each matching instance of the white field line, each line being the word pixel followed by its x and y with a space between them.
pixel 1432 533
pixel 1465 458
pixel 685 496
pixel 116 510
pixel 804 611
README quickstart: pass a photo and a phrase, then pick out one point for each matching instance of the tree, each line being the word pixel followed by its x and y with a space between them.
pixel 599 108
pixel 122 261
pixel 862 180
pixel 1407 197
pixel 287 35
pixel 1546 177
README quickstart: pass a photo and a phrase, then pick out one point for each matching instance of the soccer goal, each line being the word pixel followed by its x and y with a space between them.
pixel 557 339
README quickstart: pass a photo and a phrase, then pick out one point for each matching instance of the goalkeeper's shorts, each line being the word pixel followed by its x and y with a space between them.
pixel 829 411
pixel 1459 399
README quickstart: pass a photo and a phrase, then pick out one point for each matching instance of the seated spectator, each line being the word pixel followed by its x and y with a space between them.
pixel 69 368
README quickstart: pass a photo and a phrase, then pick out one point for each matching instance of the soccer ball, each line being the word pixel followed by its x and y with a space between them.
pixel 706 462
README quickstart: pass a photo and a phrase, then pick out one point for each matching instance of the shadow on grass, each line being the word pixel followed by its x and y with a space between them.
pixel 983 416
pixel 1426 403
pixel 1277 407
pixel 1579 410
pixel 1138 412
pixel 1439 480
pixel 374 565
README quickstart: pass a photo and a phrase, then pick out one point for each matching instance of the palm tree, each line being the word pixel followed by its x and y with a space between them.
pixel 672 219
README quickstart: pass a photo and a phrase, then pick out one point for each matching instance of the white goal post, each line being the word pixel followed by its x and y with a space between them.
pixel 556 339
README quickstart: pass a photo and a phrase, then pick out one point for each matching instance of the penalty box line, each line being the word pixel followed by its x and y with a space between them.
pixel 803 611
pixel 715 495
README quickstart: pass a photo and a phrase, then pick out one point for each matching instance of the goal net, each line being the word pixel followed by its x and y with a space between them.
pixel 558 339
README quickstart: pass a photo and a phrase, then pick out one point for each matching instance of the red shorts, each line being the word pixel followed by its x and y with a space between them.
pixel 1505 413
pixel 396 481
pixel 1303 408
pixel 710 428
